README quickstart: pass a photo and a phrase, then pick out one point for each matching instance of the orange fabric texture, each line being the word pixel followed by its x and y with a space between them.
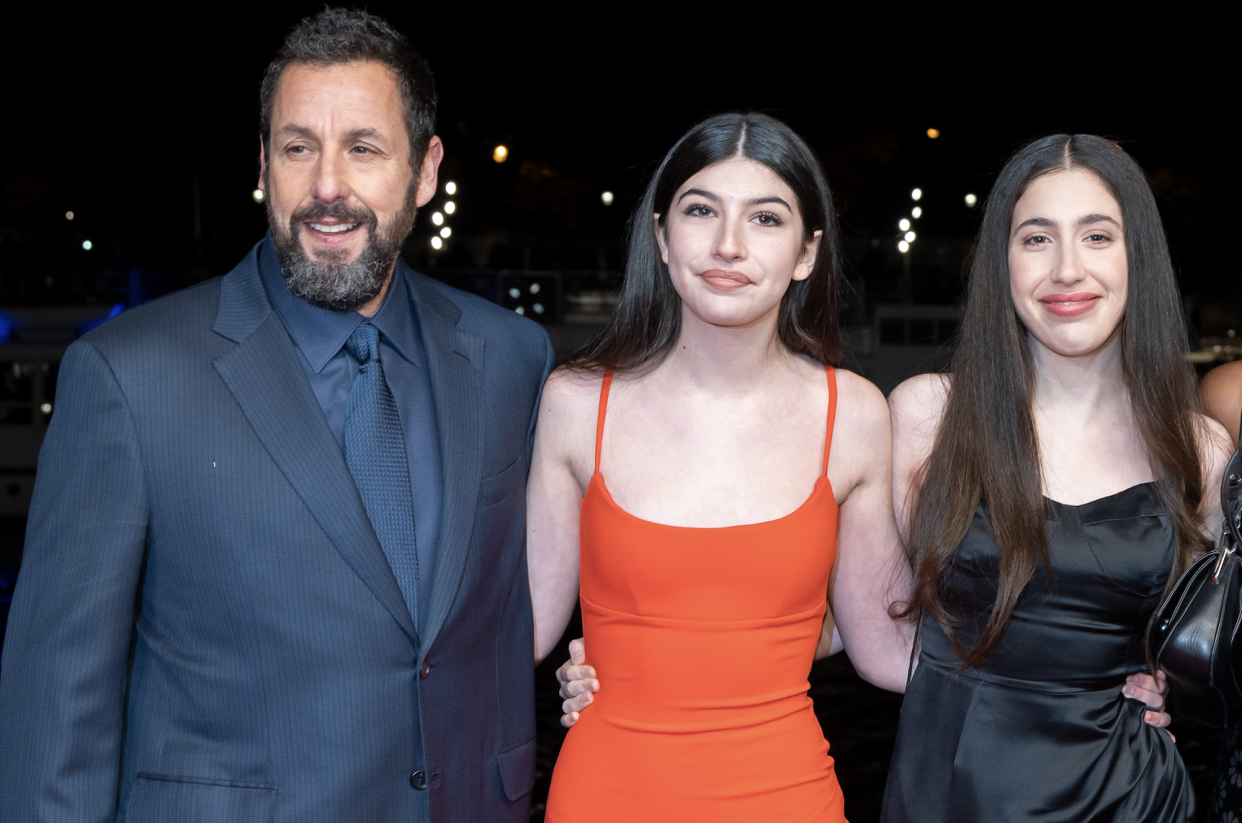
pixel 702 639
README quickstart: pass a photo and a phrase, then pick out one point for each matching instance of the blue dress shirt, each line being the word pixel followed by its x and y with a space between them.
pixel 319 335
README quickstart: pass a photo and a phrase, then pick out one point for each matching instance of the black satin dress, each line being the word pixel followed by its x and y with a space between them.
pixel 1042 731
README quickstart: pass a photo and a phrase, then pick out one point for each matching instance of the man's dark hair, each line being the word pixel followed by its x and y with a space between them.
pixel 336 36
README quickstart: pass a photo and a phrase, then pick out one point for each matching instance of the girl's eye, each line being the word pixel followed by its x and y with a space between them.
pixel 767 218
pixel 1098 238
pixel 699 210
pixel 1038 239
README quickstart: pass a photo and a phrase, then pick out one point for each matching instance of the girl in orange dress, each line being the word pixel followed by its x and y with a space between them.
pixel 694 471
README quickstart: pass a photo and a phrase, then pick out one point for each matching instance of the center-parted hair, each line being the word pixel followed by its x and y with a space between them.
pixel 337 36
pixel 647 321
pixel 986 448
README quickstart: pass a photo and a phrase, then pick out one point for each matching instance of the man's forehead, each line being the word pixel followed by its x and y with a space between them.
pixel 353 96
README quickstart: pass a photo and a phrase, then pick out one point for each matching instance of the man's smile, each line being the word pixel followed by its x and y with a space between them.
pixel 337 228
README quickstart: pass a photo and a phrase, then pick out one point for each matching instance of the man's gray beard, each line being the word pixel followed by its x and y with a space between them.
pixel 326 280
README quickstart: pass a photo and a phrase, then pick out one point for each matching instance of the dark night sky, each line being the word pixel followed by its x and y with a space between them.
pixel 113 114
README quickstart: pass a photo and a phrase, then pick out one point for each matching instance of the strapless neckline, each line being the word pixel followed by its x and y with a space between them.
pixel 1108 498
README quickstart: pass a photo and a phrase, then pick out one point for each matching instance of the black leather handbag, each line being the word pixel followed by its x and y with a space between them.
pixel 1194 637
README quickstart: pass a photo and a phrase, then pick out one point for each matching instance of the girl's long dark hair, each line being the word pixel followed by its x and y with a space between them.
pixel 645 326
pixel 986 447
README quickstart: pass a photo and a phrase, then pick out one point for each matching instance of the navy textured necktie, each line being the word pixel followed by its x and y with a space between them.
pixel 376 456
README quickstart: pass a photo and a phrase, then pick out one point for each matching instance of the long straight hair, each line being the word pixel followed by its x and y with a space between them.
pixel 647 321
pixel 986 447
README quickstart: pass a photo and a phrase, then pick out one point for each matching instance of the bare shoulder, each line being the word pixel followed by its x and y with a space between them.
pixel 567 415
pixel 919 402
pixel 917 406
pixel 570 388
pixel 861 410
pixel 860 453
pixel 1221 390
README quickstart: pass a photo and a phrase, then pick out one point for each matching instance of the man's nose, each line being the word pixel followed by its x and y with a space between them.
pixel 331 179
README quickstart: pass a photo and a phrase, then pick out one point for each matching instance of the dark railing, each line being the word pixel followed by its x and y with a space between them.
pixel 548 297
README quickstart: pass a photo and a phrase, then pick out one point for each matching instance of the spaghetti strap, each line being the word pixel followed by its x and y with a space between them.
pixel 603 408
pixel 832 416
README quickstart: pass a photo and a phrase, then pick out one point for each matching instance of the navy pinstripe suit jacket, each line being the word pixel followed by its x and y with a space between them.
pixel 205 627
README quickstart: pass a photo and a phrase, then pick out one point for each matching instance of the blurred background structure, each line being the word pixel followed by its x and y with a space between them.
pixel 130 156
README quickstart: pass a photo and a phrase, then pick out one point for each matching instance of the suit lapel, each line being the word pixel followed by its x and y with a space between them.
pixel 268 381
pixel 455 366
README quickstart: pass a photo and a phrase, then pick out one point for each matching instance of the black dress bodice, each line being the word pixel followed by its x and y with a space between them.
pixel 1041 729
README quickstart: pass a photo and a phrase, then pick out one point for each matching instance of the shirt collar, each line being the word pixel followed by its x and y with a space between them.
pixel 396 320
pixel 320 333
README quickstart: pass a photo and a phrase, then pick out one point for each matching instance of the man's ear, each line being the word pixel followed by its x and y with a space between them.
pixel 428 172
pixel 262 167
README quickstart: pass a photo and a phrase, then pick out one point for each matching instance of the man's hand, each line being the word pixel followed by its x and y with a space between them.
pixel 1151 690
pixel 578 683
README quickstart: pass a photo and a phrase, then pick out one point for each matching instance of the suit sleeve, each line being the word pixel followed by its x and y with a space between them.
pixel 66 654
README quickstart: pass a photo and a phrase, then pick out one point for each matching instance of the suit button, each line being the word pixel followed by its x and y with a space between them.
pixel 424 671
pixel 418 780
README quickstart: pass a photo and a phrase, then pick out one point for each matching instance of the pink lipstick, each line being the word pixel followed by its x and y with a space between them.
pixel 725 280
pixel 1069 305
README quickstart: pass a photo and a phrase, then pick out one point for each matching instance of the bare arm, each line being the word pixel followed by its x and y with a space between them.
pixel 1215 448
pixel 1221 392
pixel 873 572
pixel 829 638
pixel 916 406
pixel 557 482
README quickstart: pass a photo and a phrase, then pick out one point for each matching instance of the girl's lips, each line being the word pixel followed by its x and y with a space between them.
pixel 1070 305
pixel 726 280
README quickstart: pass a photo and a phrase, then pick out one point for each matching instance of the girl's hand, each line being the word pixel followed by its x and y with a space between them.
pixel 1151 690
pixel 578 683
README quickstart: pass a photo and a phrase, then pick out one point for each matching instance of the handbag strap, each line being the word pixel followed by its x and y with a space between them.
pixel 1231 496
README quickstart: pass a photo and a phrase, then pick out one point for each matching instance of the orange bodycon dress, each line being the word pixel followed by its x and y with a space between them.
pixel 702 639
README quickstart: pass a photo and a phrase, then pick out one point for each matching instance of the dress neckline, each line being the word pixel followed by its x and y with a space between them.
pixel 821 482
pixel 1107 497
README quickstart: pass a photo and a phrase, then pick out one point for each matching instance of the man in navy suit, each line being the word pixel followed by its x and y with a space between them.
pixel 275 564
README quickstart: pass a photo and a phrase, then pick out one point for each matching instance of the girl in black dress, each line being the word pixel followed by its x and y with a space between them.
pixel 1050 488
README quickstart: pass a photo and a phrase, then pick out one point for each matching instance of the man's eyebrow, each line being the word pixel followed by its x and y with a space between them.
pixel 305 131
pixel 295 129
pixel 365 132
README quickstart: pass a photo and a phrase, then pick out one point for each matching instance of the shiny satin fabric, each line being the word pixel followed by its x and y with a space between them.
pixel 703 640
pixel 1042 731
